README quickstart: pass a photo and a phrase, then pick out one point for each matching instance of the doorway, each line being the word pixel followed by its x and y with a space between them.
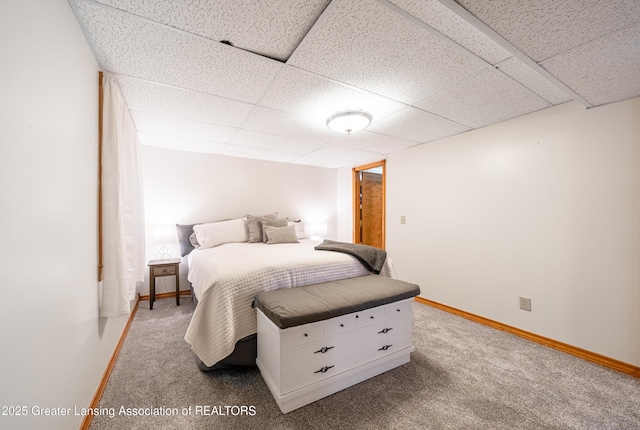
pixel 369 204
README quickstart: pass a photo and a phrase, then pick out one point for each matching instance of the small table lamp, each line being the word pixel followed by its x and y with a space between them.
pixel 164 234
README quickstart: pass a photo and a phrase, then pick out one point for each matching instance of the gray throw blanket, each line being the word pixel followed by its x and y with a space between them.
pixel 371 258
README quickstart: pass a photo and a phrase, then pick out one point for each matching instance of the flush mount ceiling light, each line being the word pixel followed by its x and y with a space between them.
pixel 349 121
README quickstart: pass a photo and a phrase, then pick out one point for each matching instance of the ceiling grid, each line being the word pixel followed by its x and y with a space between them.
pixel 424 69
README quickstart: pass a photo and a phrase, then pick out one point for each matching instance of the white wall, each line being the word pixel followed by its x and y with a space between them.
pixel 345 204
pixel 185 188
pixel 544 206
pixel 55 348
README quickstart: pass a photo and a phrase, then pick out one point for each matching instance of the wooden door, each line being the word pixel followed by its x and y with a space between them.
pixel 372 209
pixel 369 204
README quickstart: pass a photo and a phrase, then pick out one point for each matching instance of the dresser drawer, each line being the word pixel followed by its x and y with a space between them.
pixel 300 335
pixel 370 316
pixel 402 308
pixel 317 354
pixel 339 325
pixel 305 375
pixel 384 338
pixel 164 271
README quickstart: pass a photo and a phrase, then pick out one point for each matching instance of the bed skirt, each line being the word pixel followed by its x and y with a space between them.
pixel 243 355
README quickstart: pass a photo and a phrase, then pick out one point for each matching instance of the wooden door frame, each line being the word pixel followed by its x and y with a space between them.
pixel 356 203
pixel 100 227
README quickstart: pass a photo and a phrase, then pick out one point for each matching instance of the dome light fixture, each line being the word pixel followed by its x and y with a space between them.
pixel 349 121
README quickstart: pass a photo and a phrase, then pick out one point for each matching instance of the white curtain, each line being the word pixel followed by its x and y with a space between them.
pixel 122 205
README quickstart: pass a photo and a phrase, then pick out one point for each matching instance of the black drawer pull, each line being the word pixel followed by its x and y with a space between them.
pixel 385 331
pixel 323 370
pixel 371 317
pixel 384 348
pixel 324 349
pixel 397 310
pixel 306 335
pixel 341 325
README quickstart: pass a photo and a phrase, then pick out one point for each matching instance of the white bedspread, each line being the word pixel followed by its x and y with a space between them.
pixel 227 278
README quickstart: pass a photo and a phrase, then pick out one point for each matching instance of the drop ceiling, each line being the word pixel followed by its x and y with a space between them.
pixel 257 79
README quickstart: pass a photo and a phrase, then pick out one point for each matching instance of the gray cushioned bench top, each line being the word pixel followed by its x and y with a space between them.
pixel 290 307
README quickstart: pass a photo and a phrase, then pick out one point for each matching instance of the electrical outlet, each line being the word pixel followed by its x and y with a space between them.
pixel 403 219
pixel 525 303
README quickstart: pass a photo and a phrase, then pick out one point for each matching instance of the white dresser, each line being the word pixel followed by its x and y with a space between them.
pixel 305 363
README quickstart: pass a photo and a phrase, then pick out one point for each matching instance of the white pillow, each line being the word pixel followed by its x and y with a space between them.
pixel 217 233
pixel 299 225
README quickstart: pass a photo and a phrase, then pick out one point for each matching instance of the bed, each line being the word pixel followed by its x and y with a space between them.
pixel 226 278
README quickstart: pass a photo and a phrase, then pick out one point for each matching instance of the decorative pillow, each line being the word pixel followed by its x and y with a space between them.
pixel 184 232
pixel 254 225
pixel 217 233
pixel 299 226
pixel 281 234
pixel 271 223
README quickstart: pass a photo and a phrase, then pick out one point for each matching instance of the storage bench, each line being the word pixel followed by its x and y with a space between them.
pixel 316 340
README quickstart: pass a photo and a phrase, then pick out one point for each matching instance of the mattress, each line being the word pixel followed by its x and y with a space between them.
pixel 226 279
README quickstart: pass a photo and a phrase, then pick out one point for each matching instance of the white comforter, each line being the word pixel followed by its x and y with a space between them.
pixel 227 278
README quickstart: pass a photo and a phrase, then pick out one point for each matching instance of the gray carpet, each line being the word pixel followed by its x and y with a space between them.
pixel 462 375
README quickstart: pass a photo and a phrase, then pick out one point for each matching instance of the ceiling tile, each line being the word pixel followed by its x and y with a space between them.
pixel 442 19
pixel 544 28
pixel 274 121
pixel 346 154
pixel 487 98
pixel 332 163
pixel 371 142
pixel 416 125
pixel 316 98
pixel 259 154
pixel 271 28
pixel 533 80
pixel 132 46
pixel 602 71
pixel 149 97
pixel 182 144
pixel 365 44
pixel 274 142
pixel 175 127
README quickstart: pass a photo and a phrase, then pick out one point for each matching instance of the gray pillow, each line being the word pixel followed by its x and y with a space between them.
pixel 183 232
pixel 254 224
pixel 281 234
pixel 272 223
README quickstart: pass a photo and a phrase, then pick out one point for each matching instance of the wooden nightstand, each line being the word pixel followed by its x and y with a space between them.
pixel 169 267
